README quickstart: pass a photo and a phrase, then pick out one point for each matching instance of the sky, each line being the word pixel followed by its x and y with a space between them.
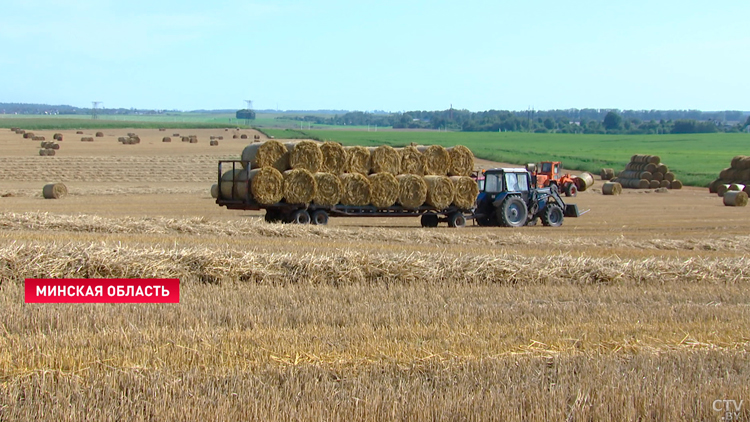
pixel 377 55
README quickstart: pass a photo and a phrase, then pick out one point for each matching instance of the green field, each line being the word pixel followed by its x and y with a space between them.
pixel 696 159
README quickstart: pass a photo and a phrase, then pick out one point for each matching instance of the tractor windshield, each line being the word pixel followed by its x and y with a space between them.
pixel 546 168
pixel 492 182
pixel 516 182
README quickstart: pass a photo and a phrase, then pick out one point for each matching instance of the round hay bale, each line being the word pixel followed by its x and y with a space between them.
pixel 176 135
pixel 243 136
pixel 43 152
pixel 722 189
pixel 193 140
pixel 662 168
pixel 385 159
pixel 213 143
pixel 736 187
pixel 654 184
pixel 727 173
pixel 54 146
pixel 135 139
pixel 669 176
pixel 714 185
pixel 28 135
pixel 221 138
pixel 611 188
pixel 744 163
pixel 437 160
pixel 675 184
pixel 657 176
pixel 412 161
pixel 131 134
pixel 228 181
pixel 79 132
pixel 57 136
pixel 412 190
pixel 735 163
pixel 440 191
pixel 305 155
pixel 334 158
pixel 735 199
pixel 185 139
pixel 166 139
pixel 358 160
pixel 54 191
pixel 271 153
pixel 462 161
pixel 235 136
pixel 384 189
pixel 122 139
pixel 356 189
pixel 99 134
pixel 465 192
pixel 653 159
pixel 161 129
pixel 665 184
pixel 266 185
pixel 747 189
pixel 299 186
pixel 584 181
pixel 329 188
pixel 607 174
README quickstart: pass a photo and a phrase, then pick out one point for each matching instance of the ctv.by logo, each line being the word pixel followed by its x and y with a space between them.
pixel 730 408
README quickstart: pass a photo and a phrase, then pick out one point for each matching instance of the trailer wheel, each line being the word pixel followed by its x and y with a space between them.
pixel 457 219
pixel 429 220
pixel 272 216
pixel 553 216
pixel 513 212
pixel 300 217
pixel 571 189
pixel 319 217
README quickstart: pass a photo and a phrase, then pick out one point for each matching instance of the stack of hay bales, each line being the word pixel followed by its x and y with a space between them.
pixel 738 173
pixel 58 137
pixel 647 172
pixel 87 139
pixel 330 174
pixel 131 139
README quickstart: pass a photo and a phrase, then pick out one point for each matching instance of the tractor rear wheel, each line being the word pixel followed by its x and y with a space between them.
pixel 553 216
pixel 429 220
pixel 571 189
pixel 513 212
pixel 272 216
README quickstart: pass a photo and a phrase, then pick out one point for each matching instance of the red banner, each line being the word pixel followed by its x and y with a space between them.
pixel 102 290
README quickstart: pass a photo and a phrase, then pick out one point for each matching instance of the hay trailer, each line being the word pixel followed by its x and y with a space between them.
pixel 319 214
pixel 507 197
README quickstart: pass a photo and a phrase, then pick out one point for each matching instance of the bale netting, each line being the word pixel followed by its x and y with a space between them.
pixel 384 189
pixel 356 189
pixel 584 181
pixel 164 139
pixel 214 191
pixel 611 188
pixel 299 186
pixel 675 184
pixel 385 159
pixel 271 153
pixel 465 192
pixel 54 191
pixel 440 191
pixel 411 161
pixel 412 190
pixel 334 158
pixel 266 185
pixel 462 161
pixel 229 179
pixel 329 189
pixel 607 173
pixel 437 160
pixel 305 155
pixel 358 160
pixel 735 199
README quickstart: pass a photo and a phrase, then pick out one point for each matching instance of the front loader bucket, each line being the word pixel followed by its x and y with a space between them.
pixel 571 210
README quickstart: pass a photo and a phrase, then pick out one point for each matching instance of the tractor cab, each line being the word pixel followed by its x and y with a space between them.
pixel 549 173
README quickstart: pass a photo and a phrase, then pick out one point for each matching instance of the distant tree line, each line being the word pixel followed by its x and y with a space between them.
pixel 549 121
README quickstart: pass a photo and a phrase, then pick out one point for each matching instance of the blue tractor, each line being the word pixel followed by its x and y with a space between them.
pixel 508 197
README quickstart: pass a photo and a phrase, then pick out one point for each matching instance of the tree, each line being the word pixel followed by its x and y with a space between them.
pixel 612 121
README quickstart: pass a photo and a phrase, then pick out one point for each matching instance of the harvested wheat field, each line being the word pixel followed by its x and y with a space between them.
pixel 638 310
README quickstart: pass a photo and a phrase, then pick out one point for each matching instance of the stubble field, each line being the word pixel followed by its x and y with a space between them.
pixel 638 310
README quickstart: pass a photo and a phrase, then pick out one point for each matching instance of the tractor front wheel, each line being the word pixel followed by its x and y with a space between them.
pixel 553 216
pixel 513 212
pixel 571 189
